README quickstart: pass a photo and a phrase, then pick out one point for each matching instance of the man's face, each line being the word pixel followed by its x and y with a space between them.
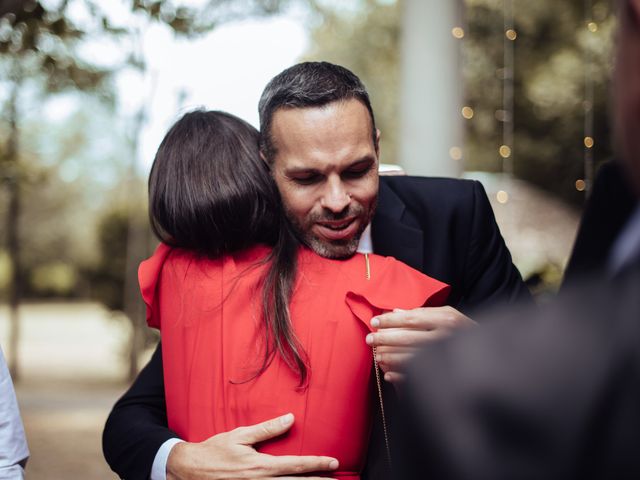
pixel 326 168
pixel 626 91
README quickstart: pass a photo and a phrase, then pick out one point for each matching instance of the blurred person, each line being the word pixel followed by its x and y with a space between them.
pixel 557 395
pixel 318 138
pixel 609 207
pixel 14 452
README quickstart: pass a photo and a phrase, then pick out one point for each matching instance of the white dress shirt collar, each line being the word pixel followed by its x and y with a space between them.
pixel 626 248
pixel 366 244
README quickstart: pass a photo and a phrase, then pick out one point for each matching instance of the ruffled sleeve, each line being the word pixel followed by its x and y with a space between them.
pixel 394 285
pixel 149 279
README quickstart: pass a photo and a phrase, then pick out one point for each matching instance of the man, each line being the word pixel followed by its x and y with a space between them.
pixel 557 395
pixel 13 444
pixel 321 144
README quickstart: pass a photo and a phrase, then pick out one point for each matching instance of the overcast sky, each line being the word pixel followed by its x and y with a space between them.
pixel 226 70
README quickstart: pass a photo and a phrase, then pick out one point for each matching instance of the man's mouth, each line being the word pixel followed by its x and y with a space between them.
pixel 337 229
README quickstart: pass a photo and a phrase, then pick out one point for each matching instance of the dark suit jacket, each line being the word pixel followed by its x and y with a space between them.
pixel 554 397
pixel 607 210
pixel 443 227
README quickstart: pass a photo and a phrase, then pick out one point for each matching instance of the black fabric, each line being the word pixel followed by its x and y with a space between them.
pixel 443 227
pixel 137 425
pixel 446 229
pixel 609 207
pixel 554 397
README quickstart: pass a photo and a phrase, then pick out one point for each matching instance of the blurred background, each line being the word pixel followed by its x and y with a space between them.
pixel 509 92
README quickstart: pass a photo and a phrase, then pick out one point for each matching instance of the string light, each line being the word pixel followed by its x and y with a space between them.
pixel 588 139
pixel 455 153
pixel 502 197
pixel 588 142
pixel 467 112
pixel 506 114
pixel 457 32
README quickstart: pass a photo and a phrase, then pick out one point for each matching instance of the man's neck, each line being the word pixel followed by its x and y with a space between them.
pixel 366 244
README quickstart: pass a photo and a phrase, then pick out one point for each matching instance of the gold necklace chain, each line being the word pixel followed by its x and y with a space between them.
pixel 378 381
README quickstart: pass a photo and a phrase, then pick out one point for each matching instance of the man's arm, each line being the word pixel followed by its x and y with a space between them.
pixel 489 278
pixel 232 455
pixel 137 425
pixel 137 428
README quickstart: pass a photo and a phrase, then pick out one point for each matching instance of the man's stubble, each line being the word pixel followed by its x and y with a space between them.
pixel 336 250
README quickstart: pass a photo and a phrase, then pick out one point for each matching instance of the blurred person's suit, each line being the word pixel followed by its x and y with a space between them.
pixel 608 208
pixel 555 395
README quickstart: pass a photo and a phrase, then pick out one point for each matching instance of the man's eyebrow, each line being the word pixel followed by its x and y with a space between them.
pixel 298 170
pixel 363 160
pixel 301 170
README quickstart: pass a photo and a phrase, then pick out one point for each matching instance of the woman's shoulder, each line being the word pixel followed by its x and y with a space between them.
pixel 389 283
pixel 166 259
pixel 171 263
pixel 175 273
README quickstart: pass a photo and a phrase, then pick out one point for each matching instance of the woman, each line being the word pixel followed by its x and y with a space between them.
pixel 253 324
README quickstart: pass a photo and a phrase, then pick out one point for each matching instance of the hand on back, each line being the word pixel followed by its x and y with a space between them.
pixel 231 455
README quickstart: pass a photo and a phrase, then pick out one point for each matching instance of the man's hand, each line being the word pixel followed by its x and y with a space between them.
pixel 401 332
pixel 230 455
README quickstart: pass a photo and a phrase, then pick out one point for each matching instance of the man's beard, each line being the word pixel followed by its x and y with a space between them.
pixel 334 249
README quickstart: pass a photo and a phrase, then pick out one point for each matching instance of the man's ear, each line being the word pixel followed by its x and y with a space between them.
pixel 635 7
pixel 377 145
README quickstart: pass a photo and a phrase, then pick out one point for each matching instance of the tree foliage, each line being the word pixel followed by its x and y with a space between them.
pixel 190 21
pixel 365 39
pixel 42 58
pixel 39 41
pixel 551 52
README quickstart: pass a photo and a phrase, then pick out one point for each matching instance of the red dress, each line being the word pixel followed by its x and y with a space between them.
pixel 208 312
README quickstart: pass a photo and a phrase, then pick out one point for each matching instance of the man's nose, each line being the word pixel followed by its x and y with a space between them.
pixel 335 198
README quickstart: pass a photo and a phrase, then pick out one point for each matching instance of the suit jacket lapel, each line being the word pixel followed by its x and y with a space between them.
pixel 394 231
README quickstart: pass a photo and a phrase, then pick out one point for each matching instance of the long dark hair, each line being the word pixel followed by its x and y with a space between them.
pixel 210 192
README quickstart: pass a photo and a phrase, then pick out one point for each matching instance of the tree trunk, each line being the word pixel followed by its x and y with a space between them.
pixel 136 249
pixel 13 232
pixel 133 306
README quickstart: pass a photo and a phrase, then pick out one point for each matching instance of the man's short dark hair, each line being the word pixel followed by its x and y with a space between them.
pixel 308 84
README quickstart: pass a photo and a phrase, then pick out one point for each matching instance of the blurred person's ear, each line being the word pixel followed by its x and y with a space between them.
pixel 635 7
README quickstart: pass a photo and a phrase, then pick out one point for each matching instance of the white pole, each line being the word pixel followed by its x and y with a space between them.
pixel 431 130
